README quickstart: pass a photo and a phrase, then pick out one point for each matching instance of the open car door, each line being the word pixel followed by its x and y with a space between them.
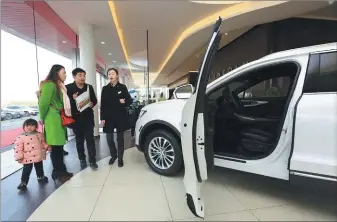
pixel 198 157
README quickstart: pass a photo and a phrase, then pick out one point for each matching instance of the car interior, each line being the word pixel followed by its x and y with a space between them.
pixel 245 117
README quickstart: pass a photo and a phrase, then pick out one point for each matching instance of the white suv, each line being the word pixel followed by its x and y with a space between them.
pixel 286 128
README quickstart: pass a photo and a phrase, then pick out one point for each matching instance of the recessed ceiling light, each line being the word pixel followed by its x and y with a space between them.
pixel 64 41
pixel 226 33
pixel 110 53
pixel 102 43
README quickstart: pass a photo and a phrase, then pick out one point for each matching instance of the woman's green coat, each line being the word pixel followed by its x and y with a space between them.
pixel 54 131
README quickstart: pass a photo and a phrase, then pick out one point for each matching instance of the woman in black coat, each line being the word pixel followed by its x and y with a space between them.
pixel 114 100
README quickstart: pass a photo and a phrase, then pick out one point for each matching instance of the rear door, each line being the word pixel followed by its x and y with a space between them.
pixel 314 153
pixel 197 155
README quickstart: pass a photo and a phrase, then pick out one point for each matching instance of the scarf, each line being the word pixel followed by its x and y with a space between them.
pixel 66 100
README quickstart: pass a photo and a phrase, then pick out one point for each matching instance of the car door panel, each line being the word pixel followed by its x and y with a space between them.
pixel 198 155
pixel 264 107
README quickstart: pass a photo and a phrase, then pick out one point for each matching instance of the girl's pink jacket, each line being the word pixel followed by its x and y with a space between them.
pixel 30 148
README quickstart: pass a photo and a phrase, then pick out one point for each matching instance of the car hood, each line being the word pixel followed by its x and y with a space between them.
pixel 167 104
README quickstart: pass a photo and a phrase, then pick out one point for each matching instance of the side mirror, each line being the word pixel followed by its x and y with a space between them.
pixel 183 92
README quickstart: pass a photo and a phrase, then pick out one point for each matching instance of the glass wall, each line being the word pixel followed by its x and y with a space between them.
pixel 30 44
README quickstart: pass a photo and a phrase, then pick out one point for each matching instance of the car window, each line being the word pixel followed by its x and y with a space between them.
pixel 276 87
pixel 311 78
pixel 321 73
pixel 328 72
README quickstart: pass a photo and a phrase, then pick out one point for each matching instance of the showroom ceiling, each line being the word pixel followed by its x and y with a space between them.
pixel 176 29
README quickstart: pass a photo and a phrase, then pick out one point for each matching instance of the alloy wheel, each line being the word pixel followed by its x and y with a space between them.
pixel 161 153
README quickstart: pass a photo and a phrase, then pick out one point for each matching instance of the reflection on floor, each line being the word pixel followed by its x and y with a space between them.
pixel 135 193
pixel 8 163
pixel 18 206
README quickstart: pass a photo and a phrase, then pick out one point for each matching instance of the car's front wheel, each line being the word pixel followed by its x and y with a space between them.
pixel 9 116
pixel 163 153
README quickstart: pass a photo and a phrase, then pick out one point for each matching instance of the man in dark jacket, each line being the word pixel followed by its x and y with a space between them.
pixel 84 125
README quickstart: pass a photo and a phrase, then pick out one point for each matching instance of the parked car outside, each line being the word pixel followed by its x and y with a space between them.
pixel 8 114
pixel 23 110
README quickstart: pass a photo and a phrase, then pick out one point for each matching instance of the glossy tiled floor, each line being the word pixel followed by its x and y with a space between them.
pixel 134 192
pixel 8 164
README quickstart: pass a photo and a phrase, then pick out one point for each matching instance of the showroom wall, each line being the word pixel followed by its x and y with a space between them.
pixel 263 40
pixel 272 37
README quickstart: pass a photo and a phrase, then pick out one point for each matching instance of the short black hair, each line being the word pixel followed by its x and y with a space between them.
pixel 30 122
pixel 113 70
pixel 78 70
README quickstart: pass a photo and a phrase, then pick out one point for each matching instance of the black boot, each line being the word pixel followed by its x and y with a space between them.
pixel 120 163
pixel 22 186
pixel 61 176
pixel 112 160
pixel 68 174
pixel 93 166
pixel 83 163
pixel 42 179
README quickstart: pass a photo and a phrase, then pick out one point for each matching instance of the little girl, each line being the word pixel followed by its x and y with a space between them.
pixel 30 148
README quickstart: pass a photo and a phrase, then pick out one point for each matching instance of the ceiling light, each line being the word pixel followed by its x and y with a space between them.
pixel 226 33
pixel 110 53
pixel 113 61
pixel 64 41
pixel 217 2
pixel 102 43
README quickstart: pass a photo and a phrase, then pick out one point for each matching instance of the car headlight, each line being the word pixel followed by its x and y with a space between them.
pixel 141 113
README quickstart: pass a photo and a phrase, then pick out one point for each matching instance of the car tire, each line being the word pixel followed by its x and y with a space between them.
pixel 8 116
pixel 177 164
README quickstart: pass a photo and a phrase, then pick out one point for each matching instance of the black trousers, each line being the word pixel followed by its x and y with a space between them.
pixel 112 146
pixel 27 169
pixel 57 159
pixel 85 132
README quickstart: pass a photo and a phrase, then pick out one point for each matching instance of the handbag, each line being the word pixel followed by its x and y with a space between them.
pixel 67 121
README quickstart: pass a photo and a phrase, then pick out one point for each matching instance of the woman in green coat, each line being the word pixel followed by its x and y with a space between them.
pixel 52 99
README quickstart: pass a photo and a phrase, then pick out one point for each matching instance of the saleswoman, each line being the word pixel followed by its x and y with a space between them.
pixel 114 100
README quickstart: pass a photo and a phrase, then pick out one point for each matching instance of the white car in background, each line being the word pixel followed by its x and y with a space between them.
pixel 23 110
pixel 290 135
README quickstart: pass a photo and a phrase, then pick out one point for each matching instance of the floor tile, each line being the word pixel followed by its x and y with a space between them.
pixel 89 177
pixel 218 199
pixel 293 213
pixel 134 171
pixel 137 202
pixel 254 191
pixel 237 216
pixel 68 204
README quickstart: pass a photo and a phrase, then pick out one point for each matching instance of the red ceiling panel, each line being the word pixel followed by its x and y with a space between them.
pixel 18 17
pixel 50 31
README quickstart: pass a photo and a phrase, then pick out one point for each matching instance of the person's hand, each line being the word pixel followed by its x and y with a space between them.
pixel 75 95
pixel 40 122
pixel 38 94
pixel 122 101
pixel 91 104
pixel 103 122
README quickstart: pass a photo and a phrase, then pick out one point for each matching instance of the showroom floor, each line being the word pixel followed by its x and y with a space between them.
pixel 134 192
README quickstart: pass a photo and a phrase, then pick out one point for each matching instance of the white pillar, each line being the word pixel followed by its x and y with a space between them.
pixel 75 59
pixel 88 62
